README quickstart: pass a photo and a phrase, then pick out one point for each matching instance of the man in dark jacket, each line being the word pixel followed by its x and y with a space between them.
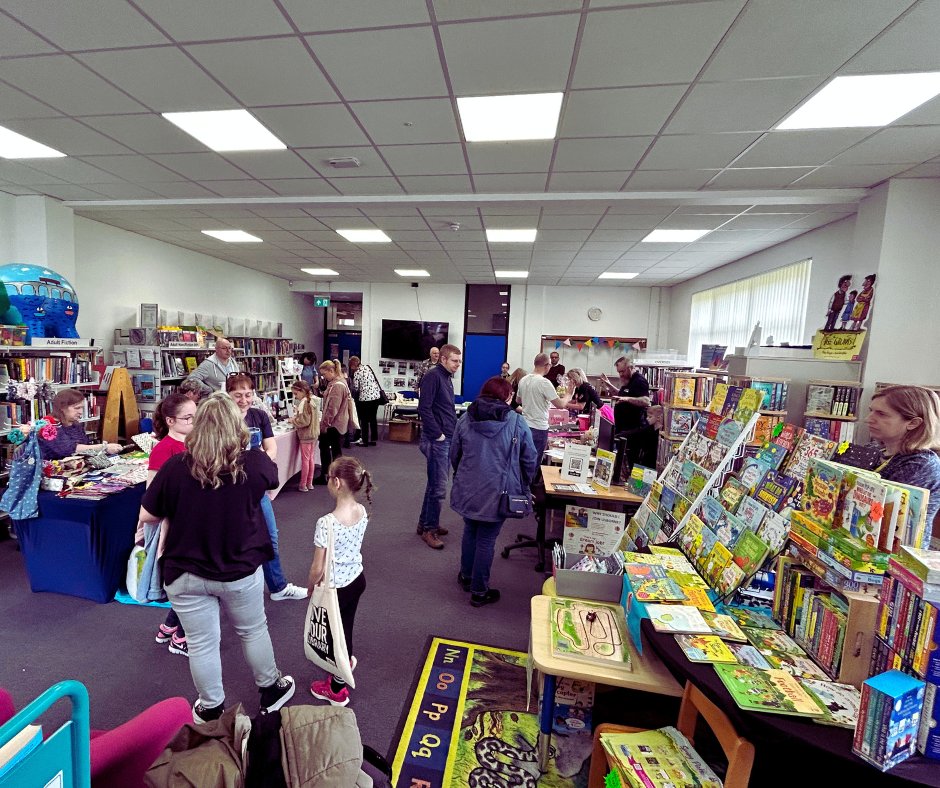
pixel 438 419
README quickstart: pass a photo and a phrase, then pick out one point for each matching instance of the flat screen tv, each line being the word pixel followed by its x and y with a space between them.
pixel 411 340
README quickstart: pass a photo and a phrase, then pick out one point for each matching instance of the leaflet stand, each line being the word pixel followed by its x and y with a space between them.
pixel 62 760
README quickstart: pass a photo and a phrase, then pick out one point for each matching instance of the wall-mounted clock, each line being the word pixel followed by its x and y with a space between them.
pixel 595 313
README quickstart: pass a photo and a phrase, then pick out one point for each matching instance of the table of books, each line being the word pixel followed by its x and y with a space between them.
pixel 80 547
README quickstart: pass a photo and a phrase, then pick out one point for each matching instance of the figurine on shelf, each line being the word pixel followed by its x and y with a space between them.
pixel 837 302
pixel 863 301
pixel 45 300
pixel 849 306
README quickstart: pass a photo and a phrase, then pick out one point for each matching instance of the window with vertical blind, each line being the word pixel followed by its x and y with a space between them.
pixel 726 315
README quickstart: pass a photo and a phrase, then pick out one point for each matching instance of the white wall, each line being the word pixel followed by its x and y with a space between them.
pixel 7 229
pixel 117 270
pixel 830 247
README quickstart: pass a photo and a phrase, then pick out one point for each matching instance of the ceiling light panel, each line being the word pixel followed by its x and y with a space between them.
pixel 615 275
pixel 511 236
pixel 226 130
pixel 511 274
pixel 16 146
pixel 411 272
pixel 365 236
pixel 233 236
pixel 864 101
pixel 674 236
pixel 500 118
pixel 320 271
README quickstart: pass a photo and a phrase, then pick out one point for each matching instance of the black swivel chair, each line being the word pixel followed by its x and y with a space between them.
pixel 538 541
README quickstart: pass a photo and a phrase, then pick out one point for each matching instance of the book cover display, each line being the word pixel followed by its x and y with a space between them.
pixel 773 691
pixel 705 648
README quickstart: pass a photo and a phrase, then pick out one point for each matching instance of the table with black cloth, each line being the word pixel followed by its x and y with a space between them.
pixel 80 548
pixel 789 750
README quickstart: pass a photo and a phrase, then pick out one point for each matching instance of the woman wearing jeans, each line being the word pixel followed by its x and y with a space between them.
pixel 492 452
pixel 334 418
pixel 367 401
pixel 215 545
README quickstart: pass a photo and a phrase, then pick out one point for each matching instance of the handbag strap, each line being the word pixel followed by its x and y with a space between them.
pixel 375 378
pixel 330 555
pixel 513 455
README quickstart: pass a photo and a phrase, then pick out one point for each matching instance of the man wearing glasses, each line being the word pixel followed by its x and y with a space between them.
pixel 211 373
pixel 438 420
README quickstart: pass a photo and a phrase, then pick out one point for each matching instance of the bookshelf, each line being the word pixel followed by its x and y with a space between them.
pixel 259 356
pixel 684 396
pixel 774 410
pixel 832 409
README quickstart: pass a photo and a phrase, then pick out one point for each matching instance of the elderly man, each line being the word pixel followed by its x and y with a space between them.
pixel 537 394
pixel 427 366
pixel 212 372
pixel 632 398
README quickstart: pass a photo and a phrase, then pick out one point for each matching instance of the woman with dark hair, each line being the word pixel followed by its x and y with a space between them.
pixel 366 390
pixel 492 452
pixel 308 371
pixel 68 435
pixel 514 379
pixel 216 543
pixel 906 421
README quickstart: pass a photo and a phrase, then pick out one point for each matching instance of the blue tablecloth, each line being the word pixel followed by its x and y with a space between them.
pixel 79 547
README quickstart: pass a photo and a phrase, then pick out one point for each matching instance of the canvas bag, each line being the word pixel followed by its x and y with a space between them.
pixel 324 638
pixel 352 413
pixel 21 499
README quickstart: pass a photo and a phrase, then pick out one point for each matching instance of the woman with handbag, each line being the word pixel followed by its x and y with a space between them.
pixel 334 416
pixel 494 461
pixel 370 398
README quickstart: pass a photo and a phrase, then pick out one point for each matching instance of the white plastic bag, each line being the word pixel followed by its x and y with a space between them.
pixel 324 638
pixel 135 568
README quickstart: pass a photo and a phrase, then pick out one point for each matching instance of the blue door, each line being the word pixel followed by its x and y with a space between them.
pixel 483 357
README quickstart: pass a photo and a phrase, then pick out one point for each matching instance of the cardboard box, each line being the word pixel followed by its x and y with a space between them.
pixel 402 430
pixel 586 585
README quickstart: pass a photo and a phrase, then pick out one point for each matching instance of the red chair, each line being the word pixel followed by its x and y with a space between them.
pixel 121 756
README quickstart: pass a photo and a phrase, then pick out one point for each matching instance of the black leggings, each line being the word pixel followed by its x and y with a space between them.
pixel 348 598
pixel 368 420
pixel 329 448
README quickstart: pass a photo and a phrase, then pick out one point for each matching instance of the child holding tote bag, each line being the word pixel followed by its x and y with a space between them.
pixel 337 580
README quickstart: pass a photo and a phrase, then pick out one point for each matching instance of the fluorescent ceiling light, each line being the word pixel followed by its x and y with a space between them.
pixel 869 100
pixel 16 146
pixel 511 274
pixel 411 272
pixel 495 118
pixel 233 236
pixel 504 292
pixel 365 236
pixel 320 271
pixel 511 236
pixel 225 130
pixel 615 275
pixel 674 236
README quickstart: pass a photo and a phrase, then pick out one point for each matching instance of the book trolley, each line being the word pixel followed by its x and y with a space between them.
pixel 63 759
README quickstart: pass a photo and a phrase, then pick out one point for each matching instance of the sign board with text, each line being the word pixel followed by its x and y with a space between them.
pixel 321 300
pixel 838 345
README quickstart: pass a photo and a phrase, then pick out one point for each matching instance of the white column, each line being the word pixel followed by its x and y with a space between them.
pixel 43 233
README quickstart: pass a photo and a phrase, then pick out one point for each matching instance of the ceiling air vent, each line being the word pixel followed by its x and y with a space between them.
pixel 345 163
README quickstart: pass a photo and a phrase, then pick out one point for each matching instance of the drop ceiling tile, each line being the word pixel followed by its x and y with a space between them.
pixel 529 55
pixel 761 221
pixel 436 184
pixel 181 85
pixel 460 9
pixel 643 180
pixel 600 155
pixel 854 176
pixel 574 222
pixel 748 105
pixel 208 19
pixel 123 191
pixel 74 26
pixel 900 145
pixel 136 169
pixel 758 178
pixel 507 157
pixel 16 104
pixel 621 112
pixel 238 188
pixel 371 163
pixel 928 170
pixel 641 221
pixel 72 170
pixel 607 236
pixel 145 133
pixel 406 122
pixel 694 151
pixel 819 37
pixel 312 126
pixel 200 166
pixel 17 40
pixel 66 135
pixel 67 191
pixel 367 186
pixel 399 222
pixel 586 181
pixel 651 45
pixel 800 148
pixel 180 190
pixel 909 45
pixel 314 15
pixel 70 88
pixel 265 73
pixel 562 236
pixel 271 164
pixel 379 64
pixel 301 187
pixel 445 159
pixel 517 182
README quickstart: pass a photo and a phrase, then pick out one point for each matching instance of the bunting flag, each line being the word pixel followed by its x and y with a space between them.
pixel 612 342
pixel 580 346
pixel 557 344
pixel 637 346
pixel 596 340
pixel 567 343
pixel 588 343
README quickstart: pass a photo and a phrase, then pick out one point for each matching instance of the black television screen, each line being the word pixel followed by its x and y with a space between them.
pixel 411 340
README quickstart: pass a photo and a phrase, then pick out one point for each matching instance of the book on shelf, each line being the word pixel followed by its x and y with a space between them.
pixel 589 631
pixel 679 422
pixel 833 399
pixel 775 393
pixel 773 691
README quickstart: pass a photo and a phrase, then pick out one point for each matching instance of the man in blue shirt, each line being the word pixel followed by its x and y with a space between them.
pixel 438 420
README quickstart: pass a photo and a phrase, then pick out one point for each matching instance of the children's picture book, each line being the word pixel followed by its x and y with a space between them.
pixel 774 490
pixel 680 507
pixel 771 454
pixel 651 583
pixel 715 562
pixel 839 702
pixel 774 531
pixel 753 617
pixel 661 758
pixel 717 403
pixel 730 528
pixel 589 631
pixel 751 513
pixel 774 691
pixel 750 552
pixel 728 431
pixel 731 493
pixel 678 619
pixel 593 531
pixel 574 702
pixel 709 538
pixel 712 512
pixel 751 472
pixel 819 398
pixel 864 508
pixel 575 465
pixel 641 480
pixel 679 422
pixel 746 654
pixel 698 598
pixel 730 578
pixel 190 363
pixel 749 403
pixel 857 456
pixel 820 497
pixel 705 648
pixel 603 469
pixel 725 627
pixel 683 392
pixel 809 447
pixel 800 667
pixel 769 641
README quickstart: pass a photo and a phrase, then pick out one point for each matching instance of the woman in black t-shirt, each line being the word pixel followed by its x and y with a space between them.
pixel 585 397
pixel 216 542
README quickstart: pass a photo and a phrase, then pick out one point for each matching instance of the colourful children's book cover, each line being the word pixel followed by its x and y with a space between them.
pixel 730 578
pixel 864 509
pixel 705 648
pixel 680 507
pixel 839 702
pixel 771 454
pixel 655 495
pixel 717 403
pixel 712 512
pixel 751 513
pixel 772 641
pixel 800 667
pixel 698 598
pixel 749 403
pixel 691 535
pixel 755 618
pixel 708 425
pixel 688 579
pixel 724 626
pixel 731 493
pixel 667 500
pixel 820 498
pixel 678 619
pixel 774 490
pixel 774 531
pixel 641 480
pixel 680 422
pixel 809 447
pixel 774 691
pixel 709 538
pixel 683 392
pixel 652 584
pixel 731 400
pixel 750 552
pixel 751 472
pixel 719 557
pixel 730 529
pixel 748 655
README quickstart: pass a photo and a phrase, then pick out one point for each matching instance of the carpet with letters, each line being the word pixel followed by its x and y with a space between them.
pixel 473 723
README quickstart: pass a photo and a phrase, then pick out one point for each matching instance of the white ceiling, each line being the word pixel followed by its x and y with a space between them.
pixel 666 122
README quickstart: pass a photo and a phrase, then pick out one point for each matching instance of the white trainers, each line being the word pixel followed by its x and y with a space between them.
pixel 290 591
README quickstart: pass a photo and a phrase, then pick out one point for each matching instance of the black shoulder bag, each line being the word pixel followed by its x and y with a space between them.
pixel 512 505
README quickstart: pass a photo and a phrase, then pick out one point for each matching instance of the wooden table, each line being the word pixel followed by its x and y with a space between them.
pixel 551 474
pixel 648 673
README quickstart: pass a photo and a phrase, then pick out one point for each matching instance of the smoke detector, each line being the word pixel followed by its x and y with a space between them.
pixel 345 162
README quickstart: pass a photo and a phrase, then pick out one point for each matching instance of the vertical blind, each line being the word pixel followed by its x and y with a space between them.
pixel 726 315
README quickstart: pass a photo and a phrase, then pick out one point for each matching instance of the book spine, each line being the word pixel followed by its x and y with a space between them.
pixel 884 605
pixel 861 724
pixel 923 650
pixel 910 636
pixel 903 605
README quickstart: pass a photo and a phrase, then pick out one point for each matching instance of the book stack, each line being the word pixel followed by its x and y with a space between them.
pixel 655 758
pixel 888 719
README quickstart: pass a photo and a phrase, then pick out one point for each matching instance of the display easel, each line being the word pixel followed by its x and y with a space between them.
pixel 120 408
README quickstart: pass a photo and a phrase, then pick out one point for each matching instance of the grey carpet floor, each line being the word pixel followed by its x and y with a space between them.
pixel 411 594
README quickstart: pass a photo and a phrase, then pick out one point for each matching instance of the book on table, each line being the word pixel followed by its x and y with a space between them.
pixel 839 702
pixel 677 619
pixel 589 631
pixel 705 648
pixel 772 691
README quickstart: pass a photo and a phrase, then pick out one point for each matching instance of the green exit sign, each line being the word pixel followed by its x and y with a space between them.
pixel 321 300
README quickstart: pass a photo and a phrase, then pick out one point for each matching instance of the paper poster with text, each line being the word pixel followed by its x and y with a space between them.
pixel 592 531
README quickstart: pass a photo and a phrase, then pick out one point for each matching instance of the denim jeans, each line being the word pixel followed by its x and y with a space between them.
pixel 438 456
pixel 273 574
pixel 197 602
pixel 476 552
pixel 540 439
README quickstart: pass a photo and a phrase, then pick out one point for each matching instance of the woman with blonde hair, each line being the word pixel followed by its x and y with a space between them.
pixel 906 421
pixel 334 416
pixel 216 542
pixel 585 397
